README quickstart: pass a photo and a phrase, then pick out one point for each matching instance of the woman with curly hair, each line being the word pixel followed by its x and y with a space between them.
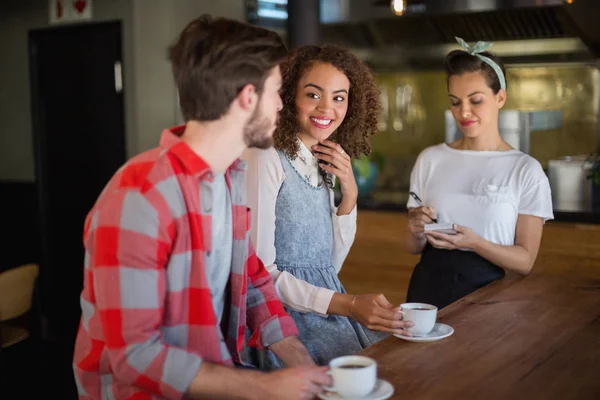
pixel 331 106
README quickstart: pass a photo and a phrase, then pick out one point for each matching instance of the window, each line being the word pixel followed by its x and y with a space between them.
pixel 273 13
pixel 267 13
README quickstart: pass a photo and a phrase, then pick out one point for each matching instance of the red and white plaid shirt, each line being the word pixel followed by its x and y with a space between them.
pixel 148 320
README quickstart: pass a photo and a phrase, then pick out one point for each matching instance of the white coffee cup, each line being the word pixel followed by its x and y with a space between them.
pixel 353 376
pixel 422 315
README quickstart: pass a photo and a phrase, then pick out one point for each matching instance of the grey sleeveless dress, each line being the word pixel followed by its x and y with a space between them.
pixel 304 245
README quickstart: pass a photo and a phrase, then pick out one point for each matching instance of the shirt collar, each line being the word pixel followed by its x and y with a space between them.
pixel 170 139
pixel 305 152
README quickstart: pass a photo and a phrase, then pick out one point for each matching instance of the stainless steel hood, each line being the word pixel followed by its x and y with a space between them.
pixel 524 31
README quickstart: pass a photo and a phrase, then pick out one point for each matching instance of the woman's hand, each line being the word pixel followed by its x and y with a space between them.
pixel 417 219
pixel 464 239
pixel 376 313
pixel 340 165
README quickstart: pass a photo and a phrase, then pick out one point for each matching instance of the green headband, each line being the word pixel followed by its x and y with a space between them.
pixel 480 47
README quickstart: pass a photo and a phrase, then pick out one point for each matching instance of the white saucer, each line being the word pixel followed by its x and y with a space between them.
pixel 383 390
pixel 438 332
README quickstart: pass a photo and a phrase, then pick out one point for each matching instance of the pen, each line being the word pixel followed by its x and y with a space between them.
pixel 418 199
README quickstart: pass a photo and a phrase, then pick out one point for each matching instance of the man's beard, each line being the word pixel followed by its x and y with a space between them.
pixel 257 132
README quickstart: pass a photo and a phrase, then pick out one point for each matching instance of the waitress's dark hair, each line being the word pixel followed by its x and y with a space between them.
pixel 458 62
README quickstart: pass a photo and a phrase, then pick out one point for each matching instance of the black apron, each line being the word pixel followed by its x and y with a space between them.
pixel 444 276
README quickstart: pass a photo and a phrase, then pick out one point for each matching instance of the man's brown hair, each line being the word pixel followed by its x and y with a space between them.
pixel 214 58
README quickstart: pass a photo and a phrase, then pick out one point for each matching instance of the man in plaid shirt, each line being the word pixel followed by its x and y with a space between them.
pixel 171 278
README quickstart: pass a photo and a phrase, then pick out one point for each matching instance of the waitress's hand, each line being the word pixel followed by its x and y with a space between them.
pixel 417 219
pixel 340 165
pixel 464 239
pixel 376 313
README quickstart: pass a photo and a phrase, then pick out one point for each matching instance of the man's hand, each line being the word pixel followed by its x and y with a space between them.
pixel 215 381
pixel 292 352
pixel 294 383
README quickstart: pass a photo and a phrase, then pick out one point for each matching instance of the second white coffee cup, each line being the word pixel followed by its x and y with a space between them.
pixel 423 315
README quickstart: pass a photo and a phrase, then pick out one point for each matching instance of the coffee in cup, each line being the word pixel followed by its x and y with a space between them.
pixel 422 315
pixel 353 376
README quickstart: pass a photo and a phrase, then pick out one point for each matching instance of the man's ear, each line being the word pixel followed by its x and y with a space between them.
pixel 247 98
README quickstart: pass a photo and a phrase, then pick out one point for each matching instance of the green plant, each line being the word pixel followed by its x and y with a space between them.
pixel 378 159
pixel 364 163
pixel 594 171
pixel 362 166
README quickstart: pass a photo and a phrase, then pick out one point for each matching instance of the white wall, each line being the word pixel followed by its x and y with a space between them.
pixel 155 28
pixel 149 27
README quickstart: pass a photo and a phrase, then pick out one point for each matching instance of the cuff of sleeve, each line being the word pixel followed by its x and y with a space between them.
pixel 545 216
pixel 345 223
pixel 276 328
pixel 321 301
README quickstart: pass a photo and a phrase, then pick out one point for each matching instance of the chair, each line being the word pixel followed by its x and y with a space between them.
pixel 16 295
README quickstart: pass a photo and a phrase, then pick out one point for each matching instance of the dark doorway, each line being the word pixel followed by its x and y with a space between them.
pixel 79 136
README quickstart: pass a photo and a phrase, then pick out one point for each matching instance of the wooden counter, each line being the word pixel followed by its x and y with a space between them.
pixel 377 262
pixel 536 337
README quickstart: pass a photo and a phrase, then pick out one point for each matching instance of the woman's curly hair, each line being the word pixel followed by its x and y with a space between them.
pixel 364 102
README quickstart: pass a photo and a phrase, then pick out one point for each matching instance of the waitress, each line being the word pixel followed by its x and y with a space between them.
pixel 498 198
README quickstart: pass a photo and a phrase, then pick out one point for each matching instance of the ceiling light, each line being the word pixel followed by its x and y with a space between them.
pixel 398 6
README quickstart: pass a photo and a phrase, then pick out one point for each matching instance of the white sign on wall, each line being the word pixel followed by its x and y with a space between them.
pixel 69 10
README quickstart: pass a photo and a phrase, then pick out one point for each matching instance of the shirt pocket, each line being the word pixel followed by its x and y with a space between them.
pixel 490 193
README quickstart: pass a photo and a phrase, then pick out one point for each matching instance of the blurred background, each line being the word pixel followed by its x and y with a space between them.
pixel 84 85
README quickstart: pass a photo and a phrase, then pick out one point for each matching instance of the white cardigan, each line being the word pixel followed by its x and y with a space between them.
pixel 264 179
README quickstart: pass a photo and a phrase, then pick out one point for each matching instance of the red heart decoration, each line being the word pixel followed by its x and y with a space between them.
pixel 59 9
pixel 80 5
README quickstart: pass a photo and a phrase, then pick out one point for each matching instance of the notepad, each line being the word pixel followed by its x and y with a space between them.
pixel 447 228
